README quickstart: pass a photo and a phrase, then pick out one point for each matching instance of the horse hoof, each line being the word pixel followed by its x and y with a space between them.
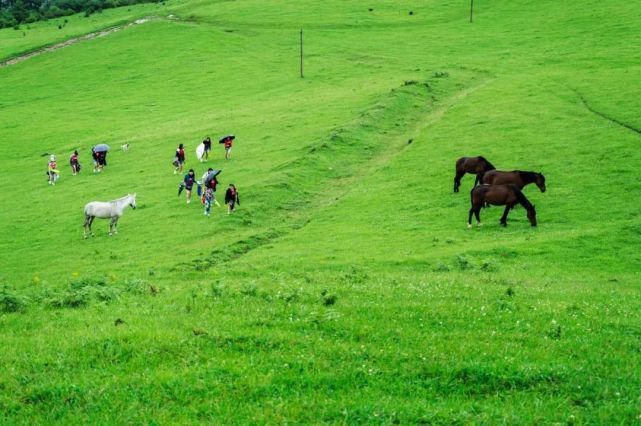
pixel 479 224
pixel 469 226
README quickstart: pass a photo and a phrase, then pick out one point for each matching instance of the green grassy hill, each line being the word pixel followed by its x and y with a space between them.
pixel 346 288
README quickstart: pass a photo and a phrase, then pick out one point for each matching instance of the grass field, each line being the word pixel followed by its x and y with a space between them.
pixel 346 288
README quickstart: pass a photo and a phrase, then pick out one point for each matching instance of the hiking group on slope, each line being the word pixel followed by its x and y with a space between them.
pixel 208 183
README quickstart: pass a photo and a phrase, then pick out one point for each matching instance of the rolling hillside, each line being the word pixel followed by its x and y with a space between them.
pixel 346 288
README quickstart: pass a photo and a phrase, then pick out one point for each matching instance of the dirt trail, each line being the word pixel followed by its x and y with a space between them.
pixel 71 41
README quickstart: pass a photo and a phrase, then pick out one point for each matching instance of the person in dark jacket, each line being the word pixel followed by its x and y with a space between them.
pixel 207 144
pixel 188 182
pixel 231 198
pixel 96 164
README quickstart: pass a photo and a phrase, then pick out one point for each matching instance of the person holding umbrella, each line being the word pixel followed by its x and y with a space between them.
pixel 99 154
pixel 228 141
pixel 209 183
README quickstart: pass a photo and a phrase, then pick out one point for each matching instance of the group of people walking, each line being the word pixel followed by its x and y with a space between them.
pixel 208 183
pixel 99 163
pixel 202 152
pixel 206 190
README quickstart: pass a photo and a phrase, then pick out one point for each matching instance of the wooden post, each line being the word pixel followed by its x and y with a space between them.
pixel 301 53
pixel 471 10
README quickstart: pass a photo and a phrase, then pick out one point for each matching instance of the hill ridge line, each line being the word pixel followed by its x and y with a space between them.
pixel 71 41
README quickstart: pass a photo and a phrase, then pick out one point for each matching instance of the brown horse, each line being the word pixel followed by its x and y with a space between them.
pixel 475 165
pixel 516 177
pixel 499 195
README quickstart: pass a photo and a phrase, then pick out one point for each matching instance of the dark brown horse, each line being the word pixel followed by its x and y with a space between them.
pixel 516 177
pixel 474 165
pixel 499 195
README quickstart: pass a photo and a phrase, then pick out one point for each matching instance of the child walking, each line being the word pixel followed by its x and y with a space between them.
pixel 52 170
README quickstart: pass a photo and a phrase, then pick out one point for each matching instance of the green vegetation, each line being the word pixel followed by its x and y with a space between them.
pixel 346 288
pixel 13 13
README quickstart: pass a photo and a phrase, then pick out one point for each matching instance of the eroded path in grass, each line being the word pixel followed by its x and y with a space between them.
pixel 71 41
pixel 349 154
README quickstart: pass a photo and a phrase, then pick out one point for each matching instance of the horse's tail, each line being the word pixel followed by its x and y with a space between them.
pixel 521 197
pixel 488 165
pixel 478 190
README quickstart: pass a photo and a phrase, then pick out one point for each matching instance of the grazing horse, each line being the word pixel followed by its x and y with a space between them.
pixel 516 177
pixel 474 165
pixel 107 210
pixel 499 195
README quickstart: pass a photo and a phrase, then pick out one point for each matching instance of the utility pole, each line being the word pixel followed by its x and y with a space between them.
pixel 301 53
pixel 471 10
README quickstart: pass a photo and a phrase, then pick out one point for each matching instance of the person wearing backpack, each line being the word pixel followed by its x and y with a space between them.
pixel 179 159
pixel 74 163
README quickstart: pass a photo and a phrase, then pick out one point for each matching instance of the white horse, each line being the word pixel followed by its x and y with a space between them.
pixel 107 210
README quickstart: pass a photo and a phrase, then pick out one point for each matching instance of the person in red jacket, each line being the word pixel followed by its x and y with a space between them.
pixel 179 160
pixel 74 163
pixel 228 144
pixel 231 198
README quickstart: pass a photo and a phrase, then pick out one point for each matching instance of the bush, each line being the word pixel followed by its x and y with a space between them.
pixel 463 263
pixel 10 302
pixel 81 292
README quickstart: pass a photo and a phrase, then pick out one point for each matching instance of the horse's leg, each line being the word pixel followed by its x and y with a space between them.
pixel 469 218
pixel 457 181
pixel 504 217
pixel 477 213
pixel 91 218
pixel 84 227
pixel 116 224
pixel 111 226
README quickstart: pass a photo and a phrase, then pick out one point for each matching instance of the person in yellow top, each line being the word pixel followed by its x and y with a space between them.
pixel 52 170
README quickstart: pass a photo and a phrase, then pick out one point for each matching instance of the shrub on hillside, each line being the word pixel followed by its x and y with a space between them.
pixel 12 14
pixel 11 302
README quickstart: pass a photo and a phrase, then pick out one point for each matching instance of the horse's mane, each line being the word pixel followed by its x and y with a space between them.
pixel 121 198
pixel 521 197
pixel 527 176
pixel 489 165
